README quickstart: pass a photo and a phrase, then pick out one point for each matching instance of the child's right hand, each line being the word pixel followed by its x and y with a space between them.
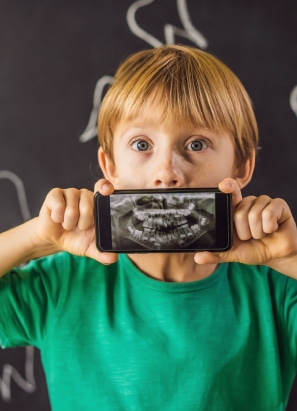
pixel 66 222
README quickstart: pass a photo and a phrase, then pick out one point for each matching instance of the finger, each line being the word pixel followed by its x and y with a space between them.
pixel 275 213
pixel 257 215
pixel 71 214
pixel 229 185
pixel 55 203
pixel 104 258
pixel 86 210
pixel 107 258
pixel 241 218
pixel 104 187
pixel 206 257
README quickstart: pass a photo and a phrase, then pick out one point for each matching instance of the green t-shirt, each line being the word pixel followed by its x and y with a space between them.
pixel 112 338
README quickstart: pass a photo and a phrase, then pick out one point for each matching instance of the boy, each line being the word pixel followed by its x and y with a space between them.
pixel 214 331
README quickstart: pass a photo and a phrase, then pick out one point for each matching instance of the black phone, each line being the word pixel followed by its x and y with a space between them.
pixel 169 220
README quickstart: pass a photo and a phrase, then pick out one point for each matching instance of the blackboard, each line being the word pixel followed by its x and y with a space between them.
pixel 57 56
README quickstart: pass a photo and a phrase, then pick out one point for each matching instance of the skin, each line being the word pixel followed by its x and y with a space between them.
pixel 151 154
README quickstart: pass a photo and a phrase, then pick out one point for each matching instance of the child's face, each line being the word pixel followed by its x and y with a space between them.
pixel 149 154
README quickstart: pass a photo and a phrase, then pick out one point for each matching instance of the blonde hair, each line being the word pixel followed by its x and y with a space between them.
pixel 185 84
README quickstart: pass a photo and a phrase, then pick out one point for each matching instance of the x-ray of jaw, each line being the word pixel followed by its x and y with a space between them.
pixel 162 221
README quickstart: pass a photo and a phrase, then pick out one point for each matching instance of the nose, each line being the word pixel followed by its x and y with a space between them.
pixel 168 172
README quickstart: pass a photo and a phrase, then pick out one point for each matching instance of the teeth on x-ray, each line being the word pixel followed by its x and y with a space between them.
pixel 154 221
pixel 141 215
pixel 195 228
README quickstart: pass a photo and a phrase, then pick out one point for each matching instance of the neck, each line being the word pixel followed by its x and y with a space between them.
pixel 177 267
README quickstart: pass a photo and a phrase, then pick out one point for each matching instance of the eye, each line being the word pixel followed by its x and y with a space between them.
pixel 141 145
pixel 197 145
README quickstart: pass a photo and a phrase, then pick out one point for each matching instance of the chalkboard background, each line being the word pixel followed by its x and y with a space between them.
pixel 55 58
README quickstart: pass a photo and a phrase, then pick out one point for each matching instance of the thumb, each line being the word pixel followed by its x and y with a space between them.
pixel 104 187
pixel 103 258
pixel 207 257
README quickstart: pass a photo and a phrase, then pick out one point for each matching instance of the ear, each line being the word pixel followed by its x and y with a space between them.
pixel 244 173
pixel 107 166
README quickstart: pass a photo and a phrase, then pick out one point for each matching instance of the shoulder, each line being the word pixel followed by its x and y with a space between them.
pixel 260 283
pixel 55 275
pixel 254 272
pixel 259 292
pixel 63 264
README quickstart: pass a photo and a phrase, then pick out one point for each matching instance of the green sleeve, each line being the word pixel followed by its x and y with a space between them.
pixel 290 315
pixel 29 300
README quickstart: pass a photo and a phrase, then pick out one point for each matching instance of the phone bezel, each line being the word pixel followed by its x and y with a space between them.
pixel 224 225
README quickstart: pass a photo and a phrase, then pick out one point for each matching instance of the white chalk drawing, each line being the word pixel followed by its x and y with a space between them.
pixel 189 32
pixel 91 129
pixel 20 189
pixel 170 32
pixel 293 100
pixel 138 31
pixel 10 373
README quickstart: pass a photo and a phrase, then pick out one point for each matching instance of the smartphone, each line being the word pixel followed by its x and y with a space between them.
pixel 170 220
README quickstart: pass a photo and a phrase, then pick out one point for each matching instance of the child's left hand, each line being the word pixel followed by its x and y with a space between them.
pixel 264 233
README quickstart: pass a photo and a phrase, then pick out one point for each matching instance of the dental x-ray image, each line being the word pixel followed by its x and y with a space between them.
pixel 163 221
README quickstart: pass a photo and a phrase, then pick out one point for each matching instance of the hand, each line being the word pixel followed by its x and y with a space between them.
pixel 66 222
pixel 264 232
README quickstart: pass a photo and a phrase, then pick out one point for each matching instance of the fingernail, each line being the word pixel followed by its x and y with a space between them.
pixel 105 186
pixel 227 184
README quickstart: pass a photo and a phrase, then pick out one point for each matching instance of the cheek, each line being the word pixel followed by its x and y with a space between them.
pixel 130 177
pixel 221 172
pixel 210 174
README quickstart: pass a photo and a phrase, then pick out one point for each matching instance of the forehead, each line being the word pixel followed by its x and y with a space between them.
pixel 154 120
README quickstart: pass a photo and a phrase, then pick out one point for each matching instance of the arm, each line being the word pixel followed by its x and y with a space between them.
pixel 65 223
pixel 264 233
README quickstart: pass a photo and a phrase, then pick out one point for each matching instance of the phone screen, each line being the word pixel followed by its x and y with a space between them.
pixel 135 221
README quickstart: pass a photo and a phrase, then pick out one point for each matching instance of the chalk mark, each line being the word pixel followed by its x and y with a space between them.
pixel 293 100
pixel 170 31
pixel 91 129
pixel 134 27
pixel 9 373
pixel 20 189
